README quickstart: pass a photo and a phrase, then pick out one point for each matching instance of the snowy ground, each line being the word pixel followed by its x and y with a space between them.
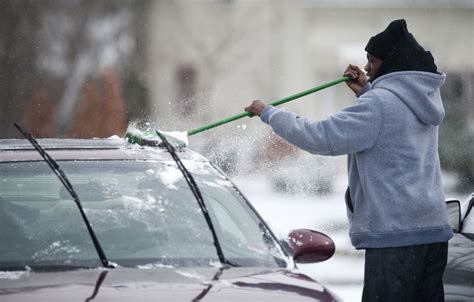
pixel 343 273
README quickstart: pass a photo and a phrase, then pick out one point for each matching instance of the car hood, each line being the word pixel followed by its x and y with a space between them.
pixel 165 284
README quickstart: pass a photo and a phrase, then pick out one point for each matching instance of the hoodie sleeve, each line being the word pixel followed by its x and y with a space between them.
pixel 351 130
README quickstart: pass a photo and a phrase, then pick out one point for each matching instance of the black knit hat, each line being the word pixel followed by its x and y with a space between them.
pixel 399 50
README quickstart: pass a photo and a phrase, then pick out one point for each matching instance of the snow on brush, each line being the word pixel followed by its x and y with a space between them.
pixel 181 136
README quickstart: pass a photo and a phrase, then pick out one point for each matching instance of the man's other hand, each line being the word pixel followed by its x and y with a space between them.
pixel 255 108
pixel 358 78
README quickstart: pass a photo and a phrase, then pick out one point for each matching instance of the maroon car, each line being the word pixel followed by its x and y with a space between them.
pixel 105 220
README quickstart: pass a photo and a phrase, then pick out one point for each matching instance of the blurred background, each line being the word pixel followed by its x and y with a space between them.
pixel 84 68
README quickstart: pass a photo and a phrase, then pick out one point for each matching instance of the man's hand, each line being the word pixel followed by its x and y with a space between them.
pixel 358 78
pixel 255 108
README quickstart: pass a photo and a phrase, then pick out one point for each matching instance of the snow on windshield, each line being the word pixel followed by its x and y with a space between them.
pixel 169 176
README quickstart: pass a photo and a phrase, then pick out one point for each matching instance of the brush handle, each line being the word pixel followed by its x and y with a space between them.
pixel 274 103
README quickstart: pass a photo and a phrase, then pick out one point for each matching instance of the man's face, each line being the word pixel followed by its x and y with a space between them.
pixel 373 66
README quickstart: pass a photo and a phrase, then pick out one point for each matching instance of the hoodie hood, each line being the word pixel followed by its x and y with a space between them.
pixel 419 91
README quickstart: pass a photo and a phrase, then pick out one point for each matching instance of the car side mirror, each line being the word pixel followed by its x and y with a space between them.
pixel 310 246
pixel 454 214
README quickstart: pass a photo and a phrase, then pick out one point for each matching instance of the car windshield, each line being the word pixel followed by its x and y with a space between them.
pixel 143 213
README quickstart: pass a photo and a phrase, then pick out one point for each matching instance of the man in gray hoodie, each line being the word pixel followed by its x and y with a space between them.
pixel 395 202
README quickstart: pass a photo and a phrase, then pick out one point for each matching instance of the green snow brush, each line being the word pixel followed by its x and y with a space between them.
pixel 180 139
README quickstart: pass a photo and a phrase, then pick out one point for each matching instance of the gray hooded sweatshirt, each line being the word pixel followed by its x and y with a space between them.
pixel 390 134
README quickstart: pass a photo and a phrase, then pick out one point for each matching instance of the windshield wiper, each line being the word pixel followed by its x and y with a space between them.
pixel 197 194
pixel 64 180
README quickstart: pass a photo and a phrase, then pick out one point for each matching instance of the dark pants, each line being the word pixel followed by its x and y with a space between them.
pixel 412 273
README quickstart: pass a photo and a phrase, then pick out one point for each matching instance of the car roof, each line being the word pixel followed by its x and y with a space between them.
pixel 113 148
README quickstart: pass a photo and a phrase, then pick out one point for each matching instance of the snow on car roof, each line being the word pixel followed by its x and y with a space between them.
pixel 88 149
pixel 62 143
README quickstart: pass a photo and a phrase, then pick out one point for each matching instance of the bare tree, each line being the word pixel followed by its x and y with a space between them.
pixel 58 46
